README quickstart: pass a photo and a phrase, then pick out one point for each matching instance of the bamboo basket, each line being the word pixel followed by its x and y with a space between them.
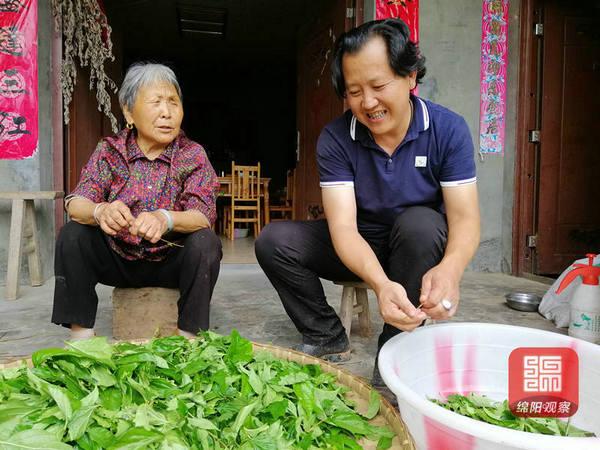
pixel 359 393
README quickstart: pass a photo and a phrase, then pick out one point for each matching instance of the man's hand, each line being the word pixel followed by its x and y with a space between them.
pixel 113 217
pixel 396 309
pixel 150 226
pixel 440 283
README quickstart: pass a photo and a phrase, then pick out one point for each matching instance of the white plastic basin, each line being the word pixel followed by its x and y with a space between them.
pixel 437 360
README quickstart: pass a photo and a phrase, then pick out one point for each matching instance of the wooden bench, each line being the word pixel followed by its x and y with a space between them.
pixel 142 313
pixel 355 290
pixel 23 227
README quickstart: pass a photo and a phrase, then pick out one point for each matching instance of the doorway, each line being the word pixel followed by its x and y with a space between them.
pixel 556 219
pixel 252 75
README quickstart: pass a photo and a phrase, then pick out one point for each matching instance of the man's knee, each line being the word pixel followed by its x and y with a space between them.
pixel 420 226
pixel 204 244
pixel 268 240
pixel 272 238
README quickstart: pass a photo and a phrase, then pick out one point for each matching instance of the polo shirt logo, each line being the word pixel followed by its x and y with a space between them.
pixel 420 161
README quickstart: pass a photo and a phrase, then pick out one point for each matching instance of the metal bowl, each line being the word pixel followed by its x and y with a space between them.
pixel 522 301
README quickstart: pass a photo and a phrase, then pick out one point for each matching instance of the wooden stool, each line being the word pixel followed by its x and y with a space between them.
pixel 23 213
pixel 142 313
pixel 352 290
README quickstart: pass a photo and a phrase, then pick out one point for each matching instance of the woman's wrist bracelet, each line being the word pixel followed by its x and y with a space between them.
pixel 169 217
pixel 96 211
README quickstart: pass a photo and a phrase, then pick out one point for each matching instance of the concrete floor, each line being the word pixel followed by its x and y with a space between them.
pixel 245 300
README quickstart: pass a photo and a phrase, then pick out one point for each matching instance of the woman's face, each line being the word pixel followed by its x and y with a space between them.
pixel 378 97
pixel 156 114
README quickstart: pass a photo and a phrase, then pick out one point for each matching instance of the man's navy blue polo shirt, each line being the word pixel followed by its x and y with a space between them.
pixel 436 152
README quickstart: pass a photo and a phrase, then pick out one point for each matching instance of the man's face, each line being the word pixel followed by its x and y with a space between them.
pixel 377 96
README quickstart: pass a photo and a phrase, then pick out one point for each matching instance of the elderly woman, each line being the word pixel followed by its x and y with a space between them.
pixel 142 211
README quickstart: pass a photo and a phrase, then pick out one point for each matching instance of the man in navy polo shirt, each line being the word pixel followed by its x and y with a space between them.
pixel 398 185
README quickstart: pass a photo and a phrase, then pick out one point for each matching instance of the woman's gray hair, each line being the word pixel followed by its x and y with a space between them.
pixel 142 74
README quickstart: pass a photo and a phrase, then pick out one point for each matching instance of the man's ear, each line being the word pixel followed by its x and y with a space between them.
pixel 412 77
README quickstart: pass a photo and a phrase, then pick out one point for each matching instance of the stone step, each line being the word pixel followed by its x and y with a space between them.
pixel 142 313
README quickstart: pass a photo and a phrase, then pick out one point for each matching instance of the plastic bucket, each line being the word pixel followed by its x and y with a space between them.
pixel 437 360
pixel 239 233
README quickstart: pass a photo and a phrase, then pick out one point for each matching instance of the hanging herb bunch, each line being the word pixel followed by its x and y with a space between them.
pixel 86 37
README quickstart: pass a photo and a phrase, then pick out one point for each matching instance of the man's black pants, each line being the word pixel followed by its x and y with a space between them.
pixel 84 258
pixel 294 255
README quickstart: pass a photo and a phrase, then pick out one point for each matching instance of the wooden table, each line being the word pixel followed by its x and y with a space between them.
pixel 23 225
pixel 225 191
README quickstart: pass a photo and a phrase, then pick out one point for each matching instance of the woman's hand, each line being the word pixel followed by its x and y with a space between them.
pixel 150 226
pixel 396 309
pixel 113 217
pixel 440 283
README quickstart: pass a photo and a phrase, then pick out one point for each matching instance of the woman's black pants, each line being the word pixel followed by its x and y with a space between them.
pixel 294 255
pixel 84 258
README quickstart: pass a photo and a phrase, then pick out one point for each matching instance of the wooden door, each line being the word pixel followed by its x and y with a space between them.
pixel 84 130
pixel 568 213
pixel 87 125
pixel 317 101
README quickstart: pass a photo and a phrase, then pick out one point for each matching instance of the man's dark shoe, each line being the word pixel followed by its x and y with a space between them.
pixel 378 383
pixel 335 352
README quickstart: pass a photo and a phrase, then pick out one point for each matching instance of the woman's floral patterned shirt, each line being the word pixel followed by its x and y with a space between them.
pixel 180 179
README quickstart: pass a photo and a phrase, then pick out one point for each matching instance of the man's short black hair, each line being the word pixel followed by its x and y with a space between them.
pixel 404 55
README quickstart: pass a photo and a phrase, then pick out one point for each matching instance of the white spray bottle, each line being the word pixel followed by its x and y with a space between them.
pixel 584 322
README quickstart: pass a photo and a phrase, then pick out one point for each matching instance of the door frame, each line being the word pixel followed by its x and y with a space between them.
pixel 58 143
pixel 306 208
pixel 527 153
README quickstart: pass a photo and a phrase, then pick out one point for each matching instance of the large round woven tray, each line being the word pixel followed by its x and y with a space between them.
pixel 359 392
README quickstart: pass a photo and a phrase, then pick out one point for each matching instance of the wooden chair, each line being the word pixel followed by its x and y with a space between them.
pixel 286 209
pixel 245 197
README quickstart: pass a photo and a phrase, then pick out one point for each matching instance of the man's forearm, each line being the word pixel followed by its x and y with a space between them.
pixel 463 241
pixel 357 255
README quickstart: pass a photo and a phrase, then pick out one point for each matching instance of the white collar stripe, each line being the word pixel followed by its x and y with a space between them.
pixel 353 128
pixel 425 114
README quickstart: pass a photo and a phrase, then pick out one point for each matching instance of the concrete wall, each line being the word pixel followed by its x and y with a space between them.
pixel 450 39
pixel 34 174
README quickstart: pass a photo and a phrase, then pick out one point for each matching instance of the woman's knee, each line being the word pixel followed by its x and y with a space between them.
pixel 72 234
pixel 204 243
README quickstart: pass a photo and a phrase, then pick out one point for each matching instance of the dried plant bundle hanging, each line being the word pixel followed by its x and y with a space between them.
pixel 86 35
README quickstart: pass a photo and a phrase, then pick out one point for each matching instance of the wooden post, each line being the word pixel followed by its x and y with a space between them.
pixel 364 316
pixel 14 248
pixel 33 246
pixel 347 308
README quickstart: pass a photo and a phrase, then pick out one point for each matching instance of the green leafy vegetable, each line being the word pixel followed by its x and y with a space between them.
pixel 174 394
pixel 479 407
